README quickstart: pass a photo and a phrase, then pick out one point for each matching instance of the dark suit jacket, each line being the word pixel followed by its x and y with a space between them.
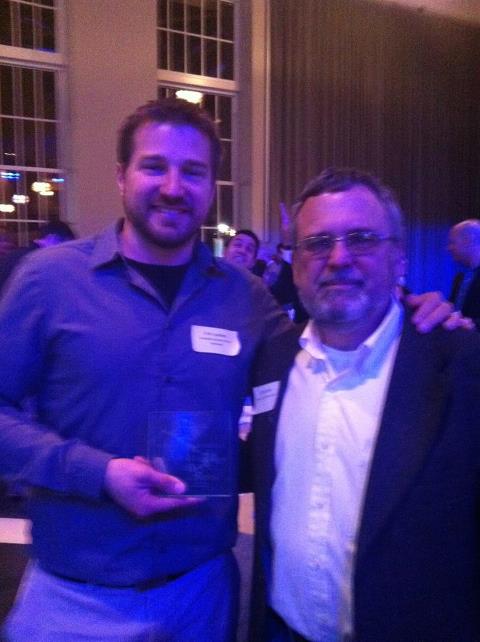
pixel 417 571
pixel 471 303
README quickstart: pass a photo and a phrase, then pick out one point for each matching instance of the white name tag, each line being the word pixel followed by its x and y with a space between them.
pixel 265 397
pixel 215 340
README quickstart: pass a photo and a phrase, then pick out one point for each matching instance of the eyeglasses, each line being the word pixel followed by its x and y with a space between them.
pixel 358 243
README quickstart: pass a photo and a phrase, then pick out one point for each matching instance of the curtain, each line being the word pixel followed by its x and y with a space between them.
pixel 390 90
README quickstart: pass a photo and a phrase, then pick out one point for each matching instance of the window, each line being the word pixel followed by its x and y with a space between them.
pixel 28 24
pixel 196 52
pixel 196 37
pixel 31 178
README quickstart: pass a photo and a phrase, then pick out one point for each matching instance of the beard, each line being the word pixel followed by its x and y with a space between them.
pixel 326 307
pixel 170 229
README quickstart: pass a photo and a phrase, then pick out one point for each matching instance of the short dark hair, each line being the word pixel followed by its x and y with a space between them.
pixel 58 228
pixel 335 179
pixel 168 110
pixel 249 233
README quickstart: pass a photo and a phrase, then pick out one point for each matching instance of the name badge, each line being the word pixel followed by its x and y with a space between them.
pixel 265 397
pixel 215 340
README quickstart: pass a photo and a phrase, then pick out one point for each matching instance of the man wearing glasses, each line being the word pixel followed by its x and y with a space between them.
pixel 366 443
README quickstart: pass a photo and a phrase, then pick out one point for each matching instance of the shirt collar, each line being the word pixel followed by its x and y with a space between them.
pixel 371 351
pixel 107 250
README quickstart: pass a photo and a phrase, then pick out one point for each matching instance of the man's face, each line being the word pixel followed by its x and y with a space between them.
pixel 242 250
pixel 167 189
pixel 342 288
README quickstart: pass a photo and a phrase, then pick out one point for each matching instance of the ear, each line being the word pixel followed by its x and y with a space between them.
pixel 401 264
pixel 120 173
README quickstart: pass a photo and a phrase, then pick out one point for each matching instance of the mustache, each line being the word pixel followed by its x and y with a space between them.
pixel 339 279
pixel 171 201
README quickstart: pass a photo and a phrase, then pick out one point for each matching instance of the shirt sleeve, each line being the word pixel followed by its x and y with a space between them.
pixel 33 454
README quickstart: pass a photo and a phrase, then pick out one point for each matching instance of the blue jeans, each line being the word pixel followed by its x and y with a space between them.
pixel 200 606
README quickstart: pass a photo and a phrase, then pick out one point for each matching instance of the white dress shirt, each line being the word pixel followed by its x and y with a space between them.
pixel 326 435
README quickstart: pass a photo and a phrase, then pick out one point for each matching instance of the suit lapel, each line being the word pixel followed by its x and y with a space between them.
pixel 407 431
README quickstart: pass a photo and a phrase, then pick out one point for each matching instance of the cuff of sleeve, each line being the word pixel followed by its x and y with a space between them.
pixel 88 471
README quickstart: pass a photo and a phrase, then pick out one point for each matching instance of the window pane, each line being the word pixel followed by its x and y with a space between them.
pixel 50 145
pixel 226 21
pixel 225 116
pixel 225 173
pixel 177 52
pixel 162 13
pixel 27 93
pixel 211 65
pixel 26 26
pixel 210 18
pixel 8 142
pixel 6 90
pixel 48 30
pixel 226 58
pixel 49 103
pixel 226 204
pixel 194 55
pixel 5 23
pixel 212 214
pixel 194 16
pixel 209 104
pixel 162 50
pixel 177 18
pixel 29 143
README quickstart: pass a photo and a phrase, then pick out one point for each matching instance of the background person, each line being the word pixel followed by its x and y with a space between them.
pixel 242 249
pixel 464 246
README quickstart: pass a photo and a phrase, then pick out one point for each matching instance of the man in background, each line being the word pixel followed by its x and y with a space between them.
pixel 51 233
pixel 242 249
pixel 366 443
pixel 464 246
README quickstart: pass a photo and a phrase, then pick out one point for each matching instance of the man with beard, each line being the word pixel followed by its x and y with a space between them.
pixel 366 443
pixel 104 334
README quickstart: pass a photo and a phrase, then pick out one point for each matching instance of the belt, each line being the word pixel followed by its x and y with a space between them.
pixel 144 585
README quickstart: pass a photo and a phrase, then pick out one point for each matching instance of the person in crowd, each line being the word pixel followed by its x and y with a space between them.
pixel 51 233
pixel 242 249
pixel 106 333
pixel 464 246
pixel 365 443
pixel 7 243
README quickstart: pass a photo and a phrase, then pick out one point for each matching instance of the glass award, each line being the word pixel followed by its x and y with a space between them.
pixel 198 447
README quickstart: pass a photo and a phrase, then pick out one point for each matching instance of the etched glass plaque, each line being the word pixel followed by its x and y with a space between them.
pixel 195 446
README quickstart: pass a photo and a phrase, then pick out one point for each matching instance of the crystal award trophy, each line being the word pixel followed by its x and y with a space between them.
pixel 198 447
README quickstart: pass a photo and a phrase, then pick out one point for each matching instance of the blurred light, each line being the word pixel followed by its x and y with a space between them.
pixel 232 232
pixel 189 95
pixel 47 192
pixel 223 228
pixel 10 176
pixel 39 186
pixel 21 199
pixel 58 180
pixel 7 208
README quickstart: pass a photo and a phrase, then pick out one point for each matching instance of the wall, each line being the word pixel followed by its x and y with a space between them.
pixel 111 55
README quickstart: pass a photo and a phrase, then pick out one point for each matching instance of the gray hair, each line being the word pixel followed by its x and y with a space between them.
pixel 343 179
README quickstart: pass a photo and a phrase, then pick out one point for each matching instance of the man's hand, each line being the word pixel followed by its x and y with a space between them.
pixel 138 488
pixel 431 310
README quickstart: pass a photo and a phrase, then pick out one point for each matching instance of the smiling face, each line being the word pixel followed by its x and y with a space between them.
pixel 167 189
pixel 346 296
pixel 242 250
